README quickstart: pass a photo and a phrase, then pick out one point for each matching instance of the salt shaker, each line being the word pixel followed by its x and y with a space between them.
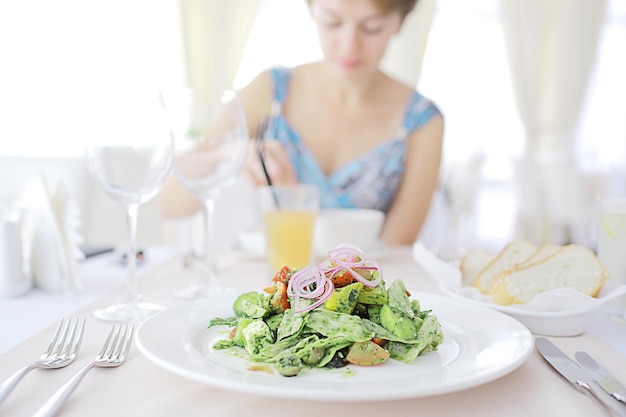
pixel 14 280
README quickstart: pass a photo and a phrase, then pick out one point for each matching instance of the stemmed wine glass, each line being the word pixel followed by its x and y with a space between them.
pixel 209 126
pixel 130 155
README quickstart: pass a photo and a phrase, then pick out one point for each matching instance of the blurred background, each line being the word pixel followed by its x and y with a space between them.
pixel 533 91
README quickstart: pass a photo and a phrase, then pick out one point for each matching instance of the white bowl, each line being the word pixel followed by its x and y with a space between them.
pixel 558 322
pixel 358 227
pixel 558 312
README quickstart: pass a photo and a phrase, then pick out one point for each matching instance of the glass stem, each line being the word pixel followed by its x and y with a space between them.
pixel 131 254
pixel 207 217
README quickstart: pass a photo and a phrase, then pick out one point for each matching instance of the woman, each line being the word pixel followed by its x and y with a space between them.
pixel 365 139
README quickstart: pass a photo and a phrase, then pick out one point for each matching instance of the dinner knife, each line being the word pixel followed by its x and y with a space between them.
pixel 607 381
pixel 577 376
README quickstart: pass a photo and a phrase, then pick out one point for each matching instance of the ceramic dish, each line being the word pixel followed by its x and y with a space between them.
pixel 360 227
pixel 559 312
pixel 480 345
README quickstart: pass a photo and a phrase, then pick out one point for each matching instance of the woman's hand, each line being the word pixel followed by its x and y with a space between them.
pixel 279 167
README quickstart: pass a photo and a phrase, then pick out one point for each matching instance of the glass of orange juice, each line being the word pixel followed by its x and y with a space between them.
pixel 289 214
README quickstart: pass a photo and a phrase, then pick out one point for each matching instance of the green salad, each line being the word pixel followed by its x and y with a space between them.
pixel 331 314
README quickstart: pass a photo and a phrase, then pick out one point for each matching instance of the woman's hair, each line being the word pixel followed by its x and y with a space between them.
pixel 390 6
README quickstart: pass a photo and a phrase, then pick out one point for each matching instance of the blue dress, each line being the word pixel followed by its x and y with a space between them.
pixel 371 180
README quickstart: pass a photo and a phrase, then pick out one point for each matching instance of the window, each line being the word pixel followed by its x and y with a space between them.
pixel 57 54
pixel 54 53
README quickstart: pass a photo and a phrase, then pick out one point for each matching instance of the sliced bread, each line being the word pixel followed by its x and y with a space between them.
pixel 571 266
pixel 473 262
pixel 539 255
pixel 512 254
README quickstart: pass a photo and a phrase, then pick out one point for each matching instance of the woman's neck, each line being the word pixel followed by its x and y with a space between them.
pixel 343 90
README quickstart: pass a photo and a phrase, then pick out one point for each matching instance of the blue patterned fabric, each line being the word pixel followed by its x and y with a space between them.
pixel 369 181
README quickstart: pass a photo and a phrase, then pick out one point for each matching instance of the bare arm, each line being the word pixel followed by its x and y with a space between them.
pixel 175 200
pixel 257 99
pixel 202 161
pixel 412 201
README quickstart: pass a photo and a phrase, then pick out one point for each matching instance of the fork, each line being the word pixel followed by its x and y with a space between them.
pixel 113 354
pixel 61 351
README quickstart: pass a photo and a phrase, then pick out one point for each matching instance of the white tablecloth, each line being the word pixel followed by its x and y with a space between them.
pixel 140 388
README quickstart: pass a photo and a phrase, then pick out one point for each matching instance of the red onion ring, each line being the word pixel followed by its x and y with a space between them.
pixel 300 286
pixel 346 256
pixel 315 281
pixel 351 259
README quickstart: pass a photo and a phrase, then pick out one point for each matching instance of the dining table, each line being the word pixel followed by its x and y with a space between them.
pixel 142 387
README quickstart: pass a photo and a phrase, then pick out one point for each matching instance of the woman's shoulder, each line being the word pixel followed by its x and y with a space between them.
pixel 280 79
pixel 417 102
pixel 309 73
pixel 419 111
pixel 268 86
pixel 270 75
pixel 256 96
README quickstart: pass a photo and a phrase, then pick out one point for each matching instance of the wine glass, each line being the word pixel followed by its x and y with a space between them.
pixel 209 126
pixel 130 155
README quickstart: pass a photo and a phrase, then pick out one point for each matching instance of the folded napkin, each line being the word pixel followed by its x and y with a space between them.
pixel 54 237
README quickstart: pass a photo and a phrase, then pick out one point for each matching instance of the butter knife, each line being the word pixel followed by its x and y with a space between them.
pixel 607 381
pixel 577 376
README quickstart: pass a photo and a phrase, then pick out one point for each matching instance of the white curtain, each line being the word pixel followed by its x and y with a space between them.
pixel 215 33
pixel 405 53
pixel 551 46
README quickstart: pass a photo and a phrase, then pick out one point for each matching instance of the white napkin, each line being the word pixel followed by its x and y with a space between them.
pixel 449 278
pixel 55 252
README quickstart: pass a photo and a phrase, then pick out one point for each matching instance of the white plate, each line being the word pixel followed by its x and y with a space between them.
pixel 480 345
